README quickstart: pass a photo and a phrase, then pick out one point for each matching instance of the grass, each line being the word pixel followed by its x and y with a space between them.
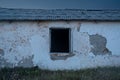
pixel 106 73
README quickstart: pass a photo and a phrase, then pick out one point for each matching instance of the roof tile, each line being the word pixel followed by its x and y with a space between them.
pixel 58 14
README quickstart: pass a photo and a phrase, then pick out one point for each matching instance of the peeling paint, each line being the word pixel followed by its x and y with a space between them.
pixel 99 45
pixel 26 62
pixel 4 63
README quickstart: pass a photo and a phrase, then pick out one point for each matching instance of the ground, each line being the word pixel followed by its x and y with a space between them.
pixel 106 73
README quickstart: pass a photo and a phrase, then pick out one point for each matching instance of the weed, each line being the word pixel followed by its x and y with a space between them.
pixel 106 73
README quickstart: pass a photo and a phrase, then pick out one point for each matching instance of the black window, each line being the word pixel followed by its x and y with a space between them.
pixel 60 40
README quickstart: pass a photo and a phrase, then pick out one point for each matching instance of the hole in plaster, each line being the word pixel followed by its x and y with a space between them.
pixel 99 45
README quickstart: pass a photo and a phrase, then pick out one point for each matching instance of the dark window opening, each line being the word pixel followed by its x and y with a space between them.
pixel 60 40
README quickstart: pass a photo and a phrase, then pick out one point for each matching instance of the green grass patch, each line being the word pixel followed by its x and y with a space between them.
pixel 106 73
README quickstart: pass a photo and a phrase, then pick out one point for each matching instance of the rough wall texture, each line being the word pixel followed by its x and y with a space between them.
pixel 99 45
pixel 27 44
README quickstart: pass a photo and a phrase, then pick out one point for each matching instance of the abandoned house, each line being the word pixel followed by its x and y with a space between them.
pixel 59 39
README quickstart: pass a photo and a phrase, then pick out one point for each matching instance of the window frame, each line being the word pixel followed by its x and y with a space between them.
pixel 70 41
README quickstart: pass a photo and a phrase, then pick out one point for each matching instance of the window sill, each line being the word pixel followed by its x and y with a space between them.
pixel 60 56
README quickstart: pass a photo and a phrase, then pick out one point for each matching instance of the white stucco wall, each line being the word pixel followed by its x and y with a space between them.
pixel 26 43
